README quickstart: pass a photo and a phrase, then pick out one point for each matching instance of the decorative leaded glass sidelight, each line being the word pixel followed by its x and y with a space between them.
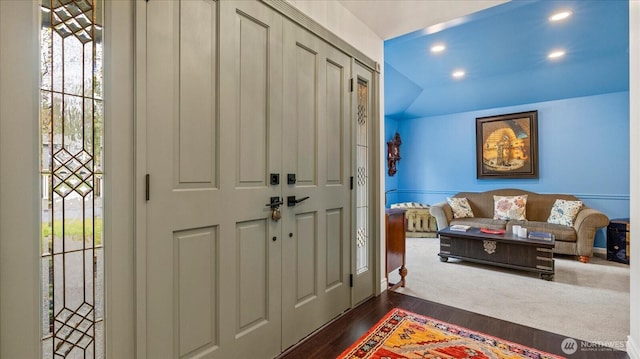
pixel 362 183
pixel 71 132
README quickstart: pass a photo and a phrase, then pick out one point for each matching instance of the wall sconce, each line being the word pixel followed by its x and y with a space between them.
pixel 393 153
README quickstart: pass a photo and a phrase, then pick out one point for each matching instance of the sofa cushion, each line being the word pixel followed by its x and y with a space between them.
pixel 538 205
pixel 460 207
pixel 564 212
pixel 510 207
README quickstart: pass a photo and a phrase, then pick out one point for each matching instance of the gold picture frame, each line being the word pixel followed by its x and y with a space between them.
pixel 507 146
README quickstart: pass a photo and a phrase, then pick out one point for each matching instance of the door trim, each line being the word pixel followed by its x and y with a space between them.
pixel 377 215
pixel 20 287
pixel 140 212
pixel 119 163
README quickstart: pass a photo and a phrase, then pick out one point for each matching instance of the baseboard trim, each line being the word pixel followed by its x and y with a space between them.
pixel 599 250
pixel 632 349
pixel 383 285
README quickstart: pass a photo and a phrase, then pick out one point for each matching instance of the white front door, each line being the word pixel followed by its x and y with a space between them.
pixel 316 149
pixel 236 95
pixel 213 264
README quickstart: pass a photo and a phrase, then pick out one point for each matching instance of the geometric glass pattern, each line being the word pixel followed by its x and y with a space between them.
pixel 362 169
pixel 73 329
pixel 361 237
pixel 72 138
pixel 72 18
pixel 361 176
pixel 362 109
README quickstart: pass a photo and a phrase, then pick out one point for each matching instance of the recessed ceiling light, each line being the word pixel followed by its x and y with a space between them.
pixel 560 16
pixel 438 48
pixel 556 54
pixel 458 74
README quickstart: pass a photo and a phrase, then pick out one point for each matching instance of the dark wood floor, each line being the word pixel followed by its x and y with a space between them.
pixel 334 338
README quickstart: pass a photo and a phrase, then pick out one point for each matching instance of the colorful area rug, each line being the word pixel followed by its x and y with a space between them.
pixel 402 334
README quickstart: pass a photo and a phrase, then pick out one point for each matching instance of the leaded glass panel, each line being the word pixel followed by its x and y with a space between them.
pixel 72 156
pixel 362 181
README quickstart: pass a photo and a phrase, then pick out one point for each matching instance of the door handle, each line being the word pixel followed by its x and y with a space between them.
pixel 274 202
pixel 292 201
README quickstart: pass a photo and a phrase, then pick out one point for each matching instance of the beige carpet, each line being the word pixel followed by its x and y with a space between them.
pixel 584 301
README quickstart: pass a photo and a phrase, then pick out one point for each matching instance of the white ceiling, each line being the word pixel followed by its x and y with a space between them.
pixel 392 18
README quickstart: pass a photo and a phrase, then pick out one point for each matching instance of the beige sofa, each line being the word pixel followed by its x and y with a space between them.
pixel 576 240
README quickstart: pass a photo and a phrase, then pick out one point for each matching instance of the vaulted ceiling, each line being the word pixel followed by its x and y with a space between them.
pixel 503 51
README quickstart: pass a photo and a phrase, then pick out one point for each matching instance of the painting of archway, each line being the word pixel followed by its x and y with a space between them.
pixel 507 145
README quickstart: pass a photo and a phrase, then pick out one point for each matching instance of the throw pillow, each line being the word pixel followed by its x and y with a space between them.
pixel 510 207
pixel 564 212
pixel 460 207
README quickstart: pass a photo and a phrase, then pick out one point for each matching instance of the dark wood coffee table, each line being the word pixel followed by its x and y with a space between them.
pixel 504 250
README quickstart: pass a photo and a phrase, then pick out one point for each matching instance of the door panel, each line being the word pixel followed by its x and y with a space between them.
pixel 306 268
pixel 334 268
pixel 196 258
pixel 196 137
pixel 213 270
pixel 305 120
pixel 316 252
pixel 253 263
pixel 335 121
pixel 253 125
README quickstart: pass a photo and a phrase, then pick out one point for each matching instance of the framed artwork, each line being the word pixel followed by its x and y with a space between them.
pixel 507 145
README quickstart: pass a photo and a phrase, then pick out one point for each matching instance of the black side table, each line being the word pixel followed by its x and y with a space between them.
pixel 618 240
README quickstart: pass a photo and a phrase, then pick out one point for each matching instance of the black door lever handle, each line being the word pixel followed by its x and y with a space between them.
pixel 274 202
pixel 292 201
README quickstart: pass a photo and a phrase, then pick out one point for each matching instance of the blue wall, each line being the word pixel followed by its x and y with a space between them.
pixel 583 147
